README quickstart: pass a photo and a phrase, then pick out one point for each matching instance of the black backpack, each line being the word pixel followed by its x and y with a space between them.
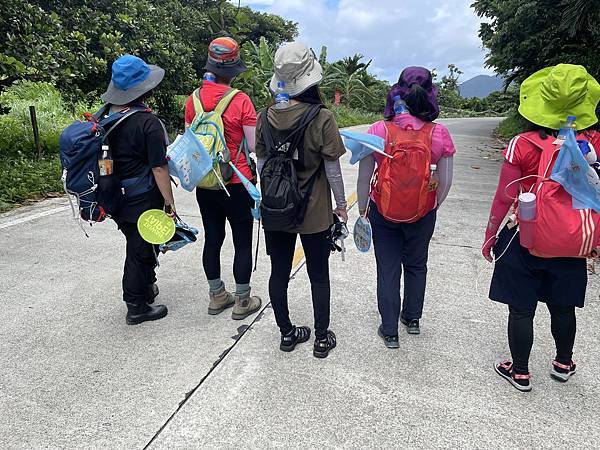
pixel 283 205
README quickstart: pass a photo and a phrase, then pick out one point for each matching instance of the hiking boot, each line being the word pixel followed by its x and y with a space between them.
pixel 144 313
pixel 297 336
pixel 245 305
pixel 562 372
pixel 412 326
pixel 220 301
pixel 520 381
pixel 324 345
pixel 152 293
pixel 390 341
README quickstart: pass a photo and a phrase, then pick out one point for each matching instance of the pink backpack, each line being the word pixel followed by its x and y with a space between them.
pixel 559 229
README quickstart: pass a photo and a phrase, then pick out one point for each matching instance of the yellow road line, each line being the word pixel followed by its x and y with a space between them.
pixel 299 253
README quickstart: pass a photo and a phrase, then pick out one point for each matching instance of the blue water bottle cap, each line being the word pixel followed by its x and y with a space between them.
pixel 396 98
pixel 571 118
pixel 281 84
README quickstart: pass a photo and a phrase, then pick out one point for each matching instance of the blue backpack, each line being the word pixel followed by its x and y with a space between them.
pixel 80 148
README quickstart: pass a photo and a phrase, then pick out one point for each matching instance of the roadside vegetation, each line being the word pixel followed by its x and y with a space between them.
pixel 56 56
pixel 520 42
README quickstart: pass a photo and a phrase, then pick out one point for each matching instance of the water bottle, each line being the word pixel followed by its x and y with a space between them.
pixel 209 76
pixel 400 106
pixel 105 163
pixel 434 179
pixel 568 125
pixel 282 98
pixel 527 214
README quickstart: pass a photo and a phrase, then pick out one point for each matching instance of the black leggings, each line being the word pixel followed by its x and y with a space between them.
pixel 520 334
pixel 215 208
pixel 280 247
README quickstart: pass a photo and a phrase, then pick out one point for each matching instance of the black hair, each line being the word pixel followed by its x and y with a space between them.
pixel 312 95
pixel 418 103
pixel 142 98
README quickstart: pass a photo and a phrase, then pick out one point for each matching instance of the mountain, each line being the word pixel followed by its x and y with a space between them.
pixel 481 86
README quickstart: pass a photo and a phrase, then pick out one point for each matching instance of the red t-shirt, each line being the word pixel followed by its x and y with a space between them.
pixel 238 114
pixel 526 156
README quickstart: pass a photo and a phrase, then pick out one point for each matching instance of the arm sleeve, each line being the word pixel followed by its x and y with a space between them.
pixel 259 146
pixel 504 197
pixel 250 135
pixel 448 148
pixel 445 169
pixel 333 147
pixel 333 171
pixel 156 146
pixel 366 167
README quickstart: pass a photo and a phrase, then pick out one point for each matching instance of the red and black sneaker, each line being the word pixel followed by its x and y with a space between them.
pixel 505 369
pixel 562 372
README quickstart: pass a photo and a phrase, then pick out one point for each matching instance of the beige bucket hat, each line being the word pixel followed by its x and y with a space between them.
pixel 297 66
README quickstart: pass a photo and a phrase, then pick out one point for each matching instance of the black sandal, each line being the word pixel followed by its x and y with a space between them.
pixel 297 336
pixel 325 345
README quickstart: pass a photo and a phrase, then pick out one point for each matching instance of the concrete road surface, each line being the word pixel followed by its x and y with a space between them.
pixel 73 375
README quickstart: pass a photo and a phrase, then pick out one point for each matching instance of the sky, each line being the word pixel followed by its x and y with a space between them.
pixel 394 34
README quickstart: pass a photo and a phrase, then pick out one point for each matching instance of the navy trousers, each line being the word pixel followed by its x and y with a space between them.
pixel 400 246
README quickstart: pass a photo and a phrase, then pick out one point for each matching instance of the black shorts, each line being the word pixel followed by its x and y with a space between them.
pixel 521 279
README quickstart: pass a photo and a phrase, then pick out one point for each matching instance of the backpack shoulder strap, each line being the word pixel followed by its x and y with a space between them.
pixel 265 131
pixel 198 106
pixel 225 101
pixel 114 120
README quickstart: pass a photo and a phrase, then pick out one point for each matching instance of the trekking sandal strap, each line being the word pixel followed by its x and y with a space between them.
pixel 555 363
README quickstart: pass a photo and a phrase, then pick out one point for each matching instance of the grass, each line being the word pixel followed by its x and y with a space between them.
pixel 24 179
pixel 348 117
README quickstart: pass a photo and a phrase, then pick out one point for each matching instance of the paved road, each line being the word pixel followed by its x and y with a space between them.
pixel 74 375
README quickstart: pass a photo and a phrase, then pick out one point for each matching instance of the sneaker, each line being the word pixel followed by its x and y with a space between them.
pixel 245 305
pixel 297 336
pixel 145 313
pixel 220 301
pixel 562 372
pixel 325 345
pixel 412 326
pixel 152 293
pixel 390 341
pixel 519 381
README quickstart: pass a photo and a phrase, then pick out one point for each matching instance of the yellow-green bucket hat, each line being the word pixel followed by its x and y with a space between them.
pixel 552 94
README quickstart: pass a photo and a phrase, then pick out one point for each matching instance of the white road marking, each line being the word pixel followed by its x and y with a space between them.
pixel 33 217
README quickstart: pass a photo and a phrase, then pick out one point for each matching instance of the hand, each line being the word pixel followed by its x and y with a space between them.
pixel 487 248
pixel 342 214
pixel 170 210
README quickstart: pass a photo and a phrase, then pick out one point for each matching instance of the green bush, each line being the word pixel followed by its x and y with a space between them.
pixel 512 125
pixel 348 117
pixel 53 115
pixel 24 179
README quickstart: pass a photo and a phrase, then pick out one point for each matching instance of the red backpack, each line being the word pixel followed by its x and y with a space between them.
pixel 559 229
pixel 401 186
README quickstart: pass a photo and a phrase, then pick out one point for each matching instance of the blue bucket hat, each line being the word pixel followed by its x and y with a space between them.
pixel 131 78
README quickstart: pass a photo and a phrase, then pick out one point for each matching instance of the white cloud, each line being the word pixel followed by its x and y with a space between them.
pixel 393 33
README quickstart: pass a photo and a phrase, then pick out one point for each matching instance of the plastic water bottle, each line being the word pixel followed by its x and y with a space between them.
pixel 105 163
pixel 568 125
pixel 527 215
pixel 209 76
pixel 400 106
pixel 434 178
pixel 282 98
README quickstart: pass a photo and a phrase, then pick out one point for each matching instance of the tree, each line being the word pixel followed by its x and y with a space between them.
pixel 346 76
pixel 523 37
pixel 449 93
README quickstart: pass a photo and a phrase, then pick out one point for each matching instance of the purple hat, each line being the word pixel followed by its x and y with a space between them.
pixel 409 77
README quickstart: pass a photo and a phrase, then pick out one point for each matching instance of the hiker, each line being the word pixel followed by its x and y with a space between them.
pixel 138 147
pixel 298 146
pixel 521 278
pixel 403 215
pixel 234 204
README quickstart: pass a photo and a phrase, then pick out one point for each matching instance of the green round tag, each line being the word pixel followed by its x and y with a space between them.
pixel 155 226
